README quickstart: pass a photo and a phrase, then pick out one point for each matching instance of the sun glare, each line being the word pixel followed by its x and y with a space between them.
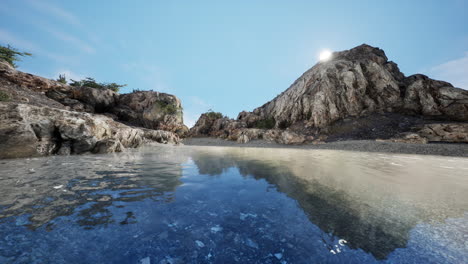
pixel 325 55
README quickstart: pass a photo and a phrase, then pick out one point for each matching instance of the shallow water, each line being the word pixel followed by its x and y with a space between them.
pixel 188 204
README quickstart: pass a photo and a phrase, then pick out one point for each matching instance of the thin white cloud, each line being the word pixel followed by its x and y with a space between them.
pixel 80 44
pixel 56 11
pixel 9 38
pixel 69 18
pixel 454 71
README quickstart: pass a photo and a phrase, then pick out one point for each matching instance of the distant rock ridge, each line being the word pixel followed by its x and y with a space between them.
pixel 354 88
pixel 39 116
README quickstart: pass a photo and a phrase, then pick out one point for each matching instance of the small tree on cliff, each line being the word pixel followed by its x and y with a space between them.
pixel 91 82
pixel 62 79
pixel 11 55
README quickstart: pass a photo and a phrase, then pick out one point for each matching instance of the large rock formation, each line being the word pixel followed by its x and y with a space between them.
pixel 40 117
pixel 358 87
pixel 151 110
pixel 27 130
pixel 147 109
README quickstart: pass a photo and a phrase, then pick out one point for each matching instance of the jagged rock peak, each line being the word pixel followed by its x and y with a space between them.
pixel 361 52
pixel 357 84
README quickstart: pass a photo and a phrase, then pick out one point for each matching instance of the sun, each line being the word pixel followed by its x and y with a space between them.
pixel 325 55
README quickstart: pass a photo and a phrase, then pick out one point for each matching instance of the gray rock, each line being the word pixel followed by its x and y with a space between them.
pixel 354 84
pixel 27 131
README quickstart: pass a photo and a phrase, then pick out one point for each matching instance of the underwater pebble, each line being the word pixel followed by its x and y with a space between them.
pixel 249 242
pixel 216 229
pixel 145 260
pixel 244 216
pixel 199 243
pixel 279 256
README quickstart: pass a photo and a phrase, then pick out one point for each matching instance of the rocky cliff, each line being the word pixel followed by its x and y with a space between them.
pixel 40 117
pixel 357 94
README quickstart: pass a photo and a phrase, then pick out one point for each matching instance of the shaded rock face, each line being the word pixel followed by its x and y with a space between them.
pixel 27 130
pixel 354 84
pixel 152 110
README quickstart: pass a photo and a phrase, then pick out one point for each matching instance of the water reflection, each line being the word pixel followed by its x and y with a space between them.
pixel 209 204
pixel 373 206
pixel 47 188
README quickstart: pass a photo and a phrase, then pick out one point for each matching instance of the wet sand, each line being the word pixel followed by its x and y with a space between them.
pixel 442 149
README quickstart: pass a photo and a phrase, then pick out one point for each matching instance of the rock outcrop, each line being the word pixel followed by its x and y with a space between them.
pixel 27 130
pixel 358 85
pixel 152 110
pixel 148 109
pixel 41 117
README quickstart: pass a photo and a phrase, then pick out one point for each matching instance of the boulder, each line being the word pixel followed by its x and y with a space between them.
pixel 152 110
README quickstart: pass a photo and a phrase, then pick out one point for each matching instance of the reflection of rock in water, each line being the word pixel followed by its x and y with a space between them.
pixel 61 186
pixel 329 209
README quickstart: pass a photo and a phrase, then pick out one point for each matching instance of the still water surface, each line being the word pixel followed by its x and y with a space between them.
pixel 189 204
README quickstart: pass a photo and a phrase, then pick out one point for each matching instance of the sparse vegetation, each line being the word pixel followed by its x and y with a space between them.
pixel 214 115
pixel 4 97
pixel 268 123
pixel 168 108
pixel 90 82
pixel 11 55
pixel 284 124
pixel 62 79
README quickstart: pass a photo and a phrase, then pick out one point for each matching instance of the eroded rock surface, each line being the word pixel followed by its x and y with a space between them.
pixel 27 130
pixel 41 117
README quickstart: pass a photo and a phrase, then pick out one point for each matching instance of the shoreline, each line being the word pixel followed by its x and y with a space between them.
pixel 440 149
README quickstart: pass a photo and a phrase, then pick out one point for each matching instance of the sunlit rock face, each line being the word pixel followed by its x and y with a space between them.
pixel 39 116
pixel 359 85
pixel 27 130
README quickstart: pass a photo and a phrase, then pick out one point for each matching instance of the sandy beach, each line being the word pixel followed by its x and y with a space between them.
pixel 442 149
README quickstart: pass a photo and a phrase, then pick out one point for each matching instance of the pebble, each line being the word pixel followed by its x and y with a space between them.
pixel 199 243
pixel 146 260
pixel 249 242
pixel 279 256
pixel 216 229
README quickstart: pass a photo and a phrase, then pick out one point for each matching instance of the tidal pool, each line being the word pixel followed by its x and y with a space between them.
pixel 187 204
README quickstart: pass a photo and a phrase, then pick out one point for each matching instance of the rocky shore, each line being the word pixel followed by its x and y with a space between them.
pixel 357 100
pixel 440 149
pixel 40 117
pixel 356 95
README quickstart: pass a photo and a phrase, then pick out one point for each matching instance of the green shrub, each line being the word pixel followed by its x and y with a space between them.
pixel 214 115
pixel 90 82
pixel 168 108
pixel 62 79
pixel 11 55
pixel 4 97
pixel 268 123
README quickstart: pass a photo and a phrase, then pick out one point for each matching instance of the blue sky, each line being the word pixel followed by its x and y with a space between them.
pixel 229 56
